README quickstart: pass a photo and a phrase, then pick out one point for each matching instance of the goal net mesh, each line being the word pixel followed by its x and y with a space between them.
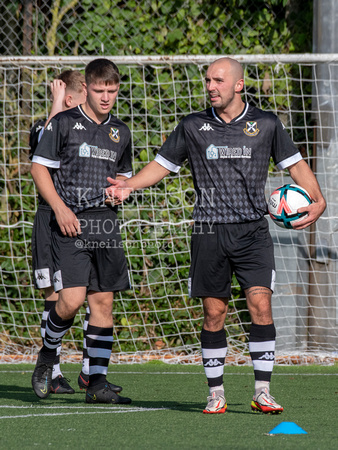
pixel 156 318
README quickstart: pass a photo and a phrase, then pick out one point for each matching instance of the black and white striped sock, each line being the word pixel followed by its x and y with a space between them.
pixel 214 350
pixel 56 328
pixel 56 366
pixel 99 347
pixel 48 305
pixel 85 358
pixel 262 341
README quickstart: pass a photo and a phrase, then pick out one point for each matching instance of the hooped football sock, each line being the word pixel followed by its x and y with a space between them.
pixel 214 349
pixel 48 306
pixel 262 341
pixel 85 357
pixel 99 347
pixel 56 328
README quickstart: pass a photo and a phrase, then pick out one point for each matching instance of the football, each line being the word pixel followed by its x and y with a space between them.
pixel 285 201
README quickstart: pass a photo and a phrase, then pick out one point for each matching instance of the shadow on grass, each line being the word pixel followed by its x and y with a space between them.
pixel 186 407
pixel 26 395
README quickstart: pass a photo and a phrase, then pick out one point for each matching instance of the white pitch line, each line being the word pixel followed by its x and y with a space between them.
pixel 77 413
pixel 32 406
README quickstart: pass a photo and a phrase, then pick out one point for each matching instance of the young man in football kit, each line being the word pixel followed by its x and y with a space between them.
pixel 67 92
pixel 229 146
pixel 82 146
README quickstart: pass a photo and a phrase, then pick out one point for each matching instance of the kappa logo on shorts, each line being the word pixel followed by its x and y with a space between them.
pixel 251 129
pixel 40 276
pixel 114 134
pixel 57 280
pixel 84 150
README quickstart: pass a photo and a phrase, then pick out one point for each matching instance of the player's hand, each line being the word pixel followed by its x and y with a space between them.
pixel 68 222
pixel 314 211
pixel 58 88
pixel 117 192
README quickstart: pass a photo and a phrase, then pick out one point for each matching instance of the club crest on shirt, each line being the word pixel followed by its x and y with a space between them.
pixel 114 134
pixel 251 129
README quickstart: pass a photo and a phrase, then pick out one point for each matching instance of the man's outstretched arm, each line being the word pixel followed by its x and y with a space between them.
pixel 151 174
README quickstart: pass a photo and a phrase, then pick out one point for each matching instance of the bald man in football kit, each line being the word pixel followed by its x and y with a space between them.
pixel 229 147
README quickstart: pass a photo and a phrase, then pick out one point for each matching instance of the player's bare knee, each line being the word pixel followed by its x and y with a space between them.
pixel 213 319
pixel 66 311
pixel 261 317
pixel 101 308
pixel 68 306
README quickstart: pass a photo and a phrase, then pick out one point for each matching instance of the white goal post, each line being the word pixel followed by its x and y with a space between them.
pixel 156 318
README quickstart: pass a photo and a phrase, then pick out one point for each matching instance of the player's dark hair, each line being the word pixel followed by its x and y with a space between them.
pixel 102 71
pixel 73 79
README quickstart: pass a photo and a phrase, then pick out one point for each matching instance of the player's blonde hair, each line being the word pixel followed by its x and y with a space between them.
pixel 73 79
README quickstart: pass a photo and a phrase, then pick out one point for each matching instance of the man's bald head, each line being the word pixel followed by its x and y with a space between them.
pixel 231 65
pixel 224 83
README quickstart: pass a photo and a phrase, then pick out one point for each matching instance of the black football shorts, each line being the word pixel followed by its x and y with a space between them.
pixel 41 248
pixel 219 250
pixel 95 258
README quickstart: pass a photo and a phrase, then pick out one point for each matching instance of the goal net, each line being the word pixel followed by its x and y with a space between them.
pixel 156 318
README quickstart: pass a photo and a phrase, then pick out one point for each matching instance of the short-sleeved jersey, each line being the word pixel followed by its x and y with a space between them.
pixel 83 154
pixel 229 161
pixel 34 137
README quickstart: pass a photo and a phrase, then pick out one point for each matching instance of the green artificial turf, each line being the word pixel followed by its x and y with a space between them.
pixel 166 412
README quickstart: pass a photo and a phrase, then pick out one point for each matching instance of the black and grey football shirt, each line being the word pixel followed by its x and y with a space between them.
pixel 229 161
pixel 83 154
pixel 35 135
pixel 34 138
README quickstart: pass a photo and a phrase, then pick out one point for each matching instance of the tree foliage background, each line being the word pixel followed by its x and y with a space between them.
pixel 130 27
